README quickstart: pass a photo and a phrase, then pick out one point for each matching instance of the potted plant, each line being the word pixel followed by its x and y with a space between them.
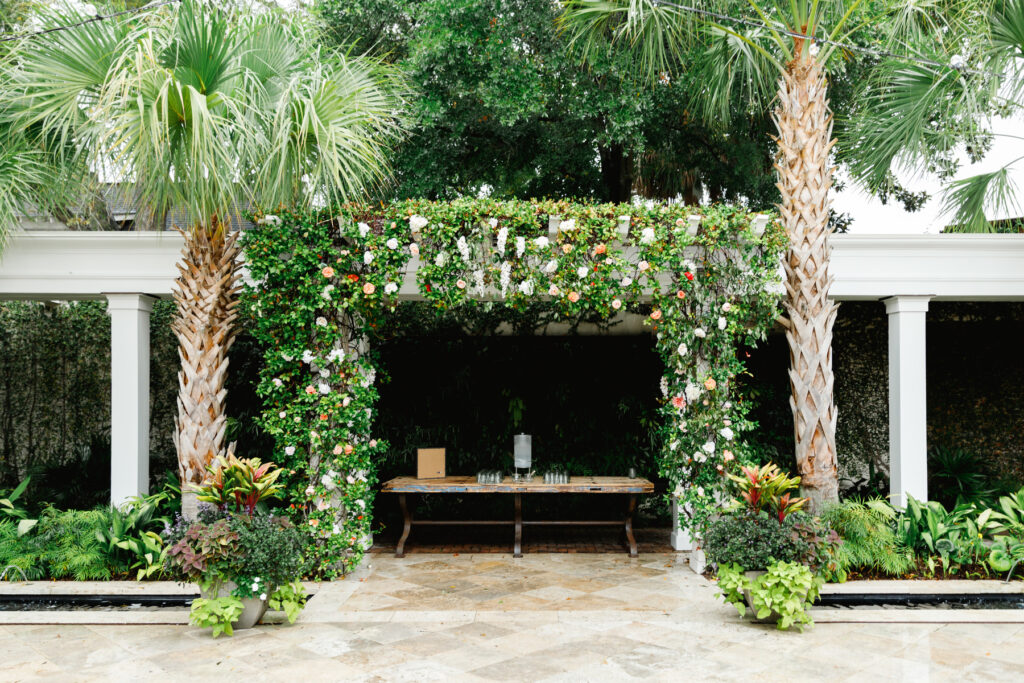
pixel 243 557
pixel 767 551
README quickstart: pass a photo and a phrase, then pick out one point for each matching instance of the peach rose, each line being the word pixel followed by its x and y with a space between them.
pixel 679 402
pixel 310 389
pixel 368 288
pixel 710 384
pixel 680 294
pixel 337 449
pixel 656 314
pixel 348 449
pixel 566 248
pixel 600 249
pixel 574 297
pixel 461 284
pixel 327 271
pixel 616 304
pixel 727 456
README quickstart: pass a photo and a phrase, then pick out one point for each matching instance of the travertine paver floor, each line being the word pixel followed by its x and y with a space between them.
pixel 542 617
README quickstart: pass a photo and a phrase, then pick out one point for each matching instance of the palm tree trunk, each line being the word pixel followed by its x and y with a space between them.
pixel 206 295
pixel 804 122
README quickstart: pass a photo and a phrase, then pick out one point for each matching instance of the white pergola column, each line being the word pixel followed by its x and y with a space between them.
pixel 908 411
pixel 129 395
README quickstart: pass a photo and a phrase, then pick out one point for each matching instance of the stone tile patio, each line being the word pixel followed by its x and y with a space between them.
pixel 543 617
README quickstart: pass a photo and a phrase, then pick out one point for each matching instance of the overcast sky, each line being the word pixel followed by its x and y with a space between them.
pixel 871 216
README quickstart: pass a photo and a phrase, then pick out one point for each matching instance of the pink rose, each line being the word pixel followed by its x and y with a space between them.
pixel 574 297
pixel 679 402
pixel 368 288
pixel 710 384
pixel 656 314
pixel 461 284
pixel 310 389
pixel 327 271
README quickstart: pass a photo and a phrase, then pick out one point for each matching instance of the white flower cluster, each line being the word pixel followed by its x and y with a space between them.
pixel 463 248
pixel 364 229
pixel 502 239
pixel 520 246
pixel 417 223
pixel 506 276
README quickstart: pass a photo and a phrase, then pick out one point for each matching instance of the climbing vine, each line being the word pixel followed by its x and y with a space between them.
pixel 318 284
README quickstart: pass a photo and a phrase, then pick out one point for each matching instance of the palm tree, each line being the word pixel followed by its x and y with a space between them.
pixel 918 116
pixel 764 51
pixel 206 112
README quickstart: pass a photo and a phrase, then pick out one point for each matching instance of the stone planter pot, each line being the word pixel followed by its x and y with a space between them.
pixel 253 608
pixel 771 618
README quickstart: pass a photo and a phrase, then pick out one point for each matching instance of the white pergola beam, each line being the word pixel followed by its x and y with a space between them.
pixel 129 395
pixel 908 406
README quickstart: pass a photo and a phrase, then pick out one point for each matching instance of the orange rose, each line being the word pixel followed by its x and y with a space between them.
pixel 348 449
pixel 327 271
pixel 680 294
pixel 656 314
pixel 600 249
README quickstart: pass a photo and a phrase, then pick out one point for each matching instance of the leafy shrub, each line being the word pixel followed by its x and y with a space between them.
pixel 753 541
pixel 957 476
pixel 269 547
pixel 869 538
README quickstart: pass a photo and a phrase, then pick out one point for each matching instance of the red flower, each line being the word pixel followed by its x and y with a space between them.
pixel 353 277
pixel 689 275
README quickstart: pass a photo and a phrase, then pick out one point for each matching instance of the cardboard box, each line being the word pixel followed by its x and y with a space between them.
pixel 430 463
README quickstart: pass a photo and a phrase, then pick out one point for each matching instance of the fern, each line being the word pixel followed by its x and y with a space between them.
pixel 869 537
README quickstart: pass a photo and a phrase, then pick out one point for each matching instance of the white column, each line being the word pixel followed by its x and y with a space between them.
pixel 680 538
pixel 908 412
pixel 129 395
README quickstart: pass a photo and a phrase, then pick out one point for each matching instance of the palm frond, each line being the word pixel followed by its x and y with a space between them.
pixel 971 200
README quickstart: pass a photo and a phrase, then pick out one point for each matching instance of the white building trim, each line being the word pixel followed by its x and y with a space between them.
pixel 907 271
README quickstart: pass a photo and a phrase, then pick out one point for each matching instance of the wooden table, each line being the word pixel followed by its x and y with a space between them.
pixel 404 486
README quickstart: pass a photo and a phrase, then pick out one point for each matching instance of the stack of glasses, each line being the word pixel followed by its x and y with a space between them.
pixel 556 477
pixel 489 477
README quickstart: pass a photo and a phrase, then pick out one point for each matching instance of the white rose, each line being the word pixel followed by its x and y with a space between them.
pixel 493 222
pixel 700 491
pixel 551 266
pixel 553 290
pixel 364 229
pixel 392 243
pixel 682 350
pixel 368 257
pixel 626 281
pixel 616 304
pixel 417 223
pixel 414 249
pixel 278 382
pixel 692 392
pixel 722 322
pixel 699 332
pixel 390 288
pixel 542 242
pixel 727 433
pixel 582 272
pixel 526 287
pixel 643 266
pixel 440 259
pixel 567 225
pixel 324 388
pixel 321 321
pixel 709 447
pixel 726 307
pixel 289 450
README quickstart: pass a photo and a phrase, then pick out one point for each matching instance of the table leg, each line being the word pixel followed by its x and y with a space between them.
pixel 407 519
pixel 630 540
pixel 517 550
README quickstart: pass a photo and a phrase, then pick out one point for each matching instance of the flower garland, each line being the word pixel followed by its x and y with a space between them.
pixel 317 285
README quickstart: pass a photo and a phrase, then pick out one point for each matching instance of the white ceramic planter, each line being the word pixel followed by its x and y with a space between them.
pixel 253 608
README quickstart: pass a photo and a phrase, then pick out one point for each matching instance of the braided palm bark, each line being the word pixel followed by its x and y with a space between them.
pixel 804 122
pixel 206 294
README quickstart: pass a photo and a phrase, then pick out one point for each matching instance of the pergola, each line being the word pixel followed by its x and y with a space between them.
pixel 904 272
